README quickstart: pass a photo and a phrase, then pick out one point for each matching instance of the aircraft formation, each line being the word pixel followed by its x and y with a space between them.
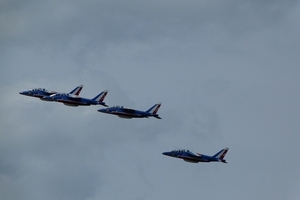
pixel 73 99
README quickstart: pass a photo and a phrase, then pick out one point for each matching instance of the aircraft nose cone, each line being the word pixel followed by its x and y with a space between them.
pixel 166 153
pixel 102 110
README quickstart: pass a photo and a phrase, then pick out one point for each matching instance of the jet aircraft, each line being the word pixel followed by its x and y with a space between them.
pixel 41 92
pixel 128 113
pixel 74 100
pixel 189 156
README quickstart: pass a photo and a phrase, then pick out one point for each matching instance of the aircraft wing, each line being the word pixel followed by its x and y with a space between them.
pixel 194 154
pixel 49 92
pixel 125 114
pixel 128 110
pixel 188 158
pixel 70 101
pixel 73 96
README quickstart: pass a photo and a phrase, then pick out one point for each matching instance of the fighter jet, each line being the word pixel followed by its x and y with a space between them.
pixel 41 92
pixel 74 100
pixel 128 113
pixel 189 156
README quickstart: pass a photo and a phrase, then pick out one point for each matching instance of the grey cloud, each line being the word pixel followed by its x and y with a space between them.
pixel 227 74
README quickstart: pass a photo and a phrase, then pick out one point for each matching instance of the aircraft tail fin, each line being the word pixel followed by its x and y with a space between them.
pixel 154 109
pixel 100 97
pixel 77 90
pixel 221 154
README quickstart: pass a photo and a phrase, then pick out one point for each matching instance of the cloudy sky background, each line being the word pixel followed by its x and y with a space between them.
pixel 227 74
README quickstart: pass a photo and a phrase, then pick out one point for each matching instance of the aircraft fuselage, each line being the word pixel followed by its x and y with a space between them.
pixel 189 156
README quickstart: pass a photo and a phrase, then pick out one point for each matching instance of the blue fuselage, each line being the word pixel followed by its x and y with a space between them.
pixel 126 113
pixel 191 157
pixel 70 101
pixel 37 93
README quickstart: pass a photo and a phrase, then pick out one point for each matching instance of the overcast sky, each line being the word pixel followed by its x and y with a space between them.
pixel 227 74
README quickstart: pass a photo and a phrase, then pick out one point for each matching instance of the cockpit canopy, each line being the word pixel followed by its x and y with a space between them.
pixel 38 89
pixel 186 151
pixel 116 107
pixel 180 150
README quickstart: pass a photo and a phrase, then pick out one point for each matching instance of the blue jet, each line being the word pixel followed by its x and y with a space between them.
pixel 74 100
pixel 128 113
pixel 189 156
pixel 41 92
